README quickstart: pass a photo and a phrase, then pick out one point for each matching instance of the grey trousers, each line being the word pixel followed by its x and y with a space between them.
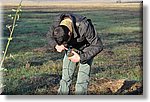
pixel 81 86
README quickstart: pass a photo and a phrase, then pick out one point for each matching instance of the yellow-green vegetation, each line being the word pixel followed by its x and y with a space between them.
pixel 78 5
pixel 38 72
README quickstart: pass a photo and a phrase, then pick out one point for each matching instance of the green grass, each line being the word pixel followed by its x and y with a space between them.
pixel 28 72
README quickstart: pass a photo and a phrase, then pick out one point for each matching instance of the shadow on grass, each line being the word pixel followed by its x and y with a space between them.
pixel 131 87
pixel 111 40
pixel 42 84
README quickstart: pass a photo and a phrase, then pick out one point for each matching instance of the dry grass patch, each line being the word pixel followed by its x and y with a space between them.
pixel 79 5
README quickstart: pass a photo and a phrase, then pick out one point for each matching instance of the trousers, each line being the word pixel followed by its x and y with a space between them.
pixel 83 76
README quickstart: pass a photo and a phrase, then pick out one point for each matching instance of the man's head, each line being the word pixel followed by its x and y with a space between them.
pixel 61 34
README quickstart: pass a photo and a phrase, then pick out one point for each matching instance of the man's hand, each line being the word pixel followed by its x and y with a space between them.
pixel 75 57
pixel 60 48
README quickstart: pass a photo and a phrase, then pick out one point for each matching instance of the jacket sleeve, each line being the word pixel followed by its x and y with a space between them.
pixel 95 43
pixel 51 41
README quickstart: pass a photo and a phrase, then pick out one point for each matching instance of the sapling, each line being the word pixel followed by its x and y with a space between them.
pixel 11 28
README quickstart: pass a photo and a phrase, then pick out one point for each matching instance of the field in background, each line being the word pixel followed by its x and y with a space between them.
pixel 78 5
pixel 34 70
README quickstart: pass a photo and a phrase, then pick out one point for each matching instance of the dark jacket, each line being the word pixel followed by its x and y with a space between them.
pixel 84 39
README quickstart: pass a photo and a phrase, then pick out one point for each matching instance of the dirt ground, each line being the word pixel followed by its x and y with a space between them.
pixel 104 86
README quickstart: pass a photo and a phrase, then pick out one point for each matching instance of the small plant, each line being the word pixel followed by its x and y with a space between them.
pixel 11 28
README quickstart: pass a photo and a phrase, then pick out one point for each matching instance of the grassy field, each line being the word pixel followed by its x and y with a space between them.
pixel 32 70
